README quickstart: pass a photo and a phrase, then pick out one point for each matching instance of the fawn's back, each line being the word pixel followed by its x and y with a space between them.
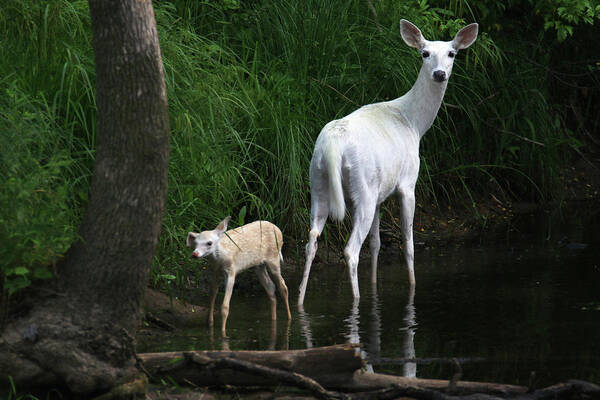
pixel 251 244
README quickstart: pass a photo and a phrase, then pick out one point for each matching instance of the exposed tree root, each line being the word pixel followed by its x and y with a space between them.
pixel 50 347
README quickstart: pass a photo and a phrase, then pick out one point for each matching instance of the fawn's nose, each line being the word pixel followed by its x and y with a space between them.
pixel 195 254
pixel 439 76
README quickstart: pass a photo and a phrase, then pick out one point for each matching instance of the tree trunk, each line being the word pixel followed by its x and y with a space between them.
pixel 82 337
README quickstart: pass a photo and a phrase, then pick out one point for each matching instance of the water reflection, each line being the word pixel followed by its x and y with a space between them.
pixel 305 330
pixel 223 342
pixel 353 335
pixel 353 323
pixel 410 319
pixel 557 284
pixel 374 339
pixel 371 336
pixel 286 337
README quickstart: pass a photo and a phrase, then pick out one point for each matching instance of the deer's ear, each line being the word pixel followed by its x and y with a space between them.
pixel 465 37
pixel 222 227
pixel 411 35
pixel 190 239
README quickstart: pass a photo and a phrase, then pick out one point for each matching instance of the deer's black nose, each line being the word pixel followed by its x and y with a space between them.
pixel 439 76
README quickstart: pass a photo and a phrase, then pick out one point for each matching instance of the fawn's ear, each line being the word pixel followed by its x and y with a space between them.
pixel 190 239
pixel 465 37
pixel 222 227
pixel 411 35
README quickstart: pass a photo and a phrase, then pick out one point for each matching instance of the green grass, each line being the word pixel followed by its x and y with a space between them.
pixel 42 180
pixel 250 85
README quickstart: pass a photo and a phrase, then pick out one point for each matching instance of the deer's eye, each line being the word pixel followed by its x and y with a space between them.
pixel 209 243
pixel 425 54
pixel 451 54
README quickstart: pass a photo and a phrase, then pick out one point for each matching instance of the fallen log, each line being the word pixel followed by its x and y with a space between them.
pixel 366 382
pixel 334 367
pixel 572 389
pixel 272 374
pixel 327 365
pixel 334 372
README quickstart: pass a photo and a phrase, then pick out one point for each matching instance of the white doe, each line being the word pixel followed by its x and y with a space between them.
pixel 231 252
pixel 374 152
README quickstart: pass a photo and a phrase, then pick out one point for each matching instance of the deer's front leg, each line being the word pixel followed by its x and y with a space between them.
pixel 213 295
pixel 229 282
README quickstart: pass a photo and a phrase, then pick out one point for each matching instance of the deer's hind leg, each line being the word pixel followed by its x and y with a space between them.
pixel 275 270
pixel 319 211
pixel 365 205
pixel 267 283
pixel 375 244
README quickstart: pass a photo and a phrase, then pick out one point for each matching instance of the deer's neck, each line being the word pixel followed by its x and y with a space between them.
pixel 421 103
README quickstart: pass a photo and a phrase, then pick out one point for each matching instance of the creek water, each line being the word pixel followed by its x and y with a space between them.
pixel 503 310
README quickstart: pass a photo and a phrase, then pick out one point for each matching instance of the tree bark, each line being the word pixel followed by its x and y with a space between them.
pixel 82 337
pixel 125 211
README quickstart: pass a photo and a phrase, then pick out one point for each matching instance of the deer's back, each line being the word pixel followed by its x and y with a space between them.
pixel 375 141
pixel 253 243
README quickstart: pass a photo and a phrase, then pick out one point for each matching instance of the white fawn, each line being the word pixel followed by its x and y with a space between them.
pixel 231 252
pixel 374 152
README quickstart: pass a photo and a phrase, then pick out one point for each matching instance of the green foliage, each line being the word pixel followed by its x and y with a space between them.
pixel 563 15
pixel 250 85
pixel 12 392
pixel 37 218
pixel 46 134
pixel 559 17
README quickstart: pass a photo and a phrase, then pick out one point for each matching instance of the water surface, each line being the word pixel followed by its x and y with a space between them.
pixel 502 310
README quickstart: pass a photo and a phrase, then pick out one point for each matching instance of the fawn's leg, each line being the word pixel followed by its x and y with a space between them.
pixel 275 269
pixel 267 283
pixel 213 295
pixel 229 282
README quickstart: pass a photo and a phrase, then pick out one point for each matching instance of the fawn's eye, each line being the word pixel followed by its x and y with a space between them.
pixel 451 54
pixel 209 243
pixel 425 54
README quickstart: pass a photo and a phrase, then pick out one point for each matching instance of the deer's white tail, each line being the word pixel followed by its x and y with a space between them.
pixel 337 205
